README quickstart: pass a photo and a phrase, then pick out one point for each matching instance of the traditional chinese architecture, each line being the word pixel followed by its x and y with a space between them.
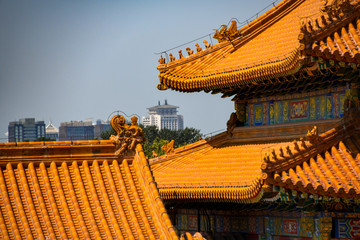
pixel 288 165
pixel 81 189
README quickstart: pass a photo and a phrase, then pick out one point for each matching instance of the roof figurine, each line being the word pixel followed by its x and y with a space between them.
pixel 220 35
pixel 180 54
pixel 198 48
pixel 207 45
pixel 172 58
pixel 227 34
pixel 161 60
pixel 127 136
pixel 313 135
pixel 168 147
pixel 189 51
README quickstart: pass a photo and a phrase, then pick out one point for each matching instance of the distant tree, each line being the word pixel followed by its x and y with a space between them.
pixel 150 132
pixel 43 139
pixel 155 146
pixel 107 133
pixel 181 138
pixel 188 135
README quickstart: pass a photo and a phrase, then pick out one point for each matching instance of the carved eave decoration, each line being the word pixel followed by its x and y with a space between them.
pixel 128 136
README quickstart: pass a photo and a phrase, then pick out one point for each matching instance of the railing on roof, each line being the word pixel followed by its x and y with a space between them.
pixel 208 136
pixel 117 112
pixel 210 35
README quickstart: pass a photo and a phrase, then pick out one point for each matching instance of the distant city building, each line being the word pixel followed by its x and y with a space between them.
pixel 26 129
pixel 164 116
pixel 52 132
pixel 76 130
pixel 100 127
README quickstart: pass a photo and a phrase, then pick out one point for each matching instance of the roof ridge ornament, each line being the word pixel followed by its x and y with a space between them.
pixel 313 135
pixel 169 147
pixel 227 34
pixel 337 8
pixel 128 136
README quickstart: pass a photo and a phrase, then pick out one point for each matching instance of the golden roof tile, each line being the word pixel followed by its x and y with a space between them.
pixel 67 196
pixel 206 172
pixel 211 170
pixel 245 59
pixel 327 167
pixel 275 44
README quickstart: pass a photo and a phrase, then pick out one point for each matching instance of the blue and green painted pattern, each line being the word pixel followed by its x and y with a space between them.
pixel 320 105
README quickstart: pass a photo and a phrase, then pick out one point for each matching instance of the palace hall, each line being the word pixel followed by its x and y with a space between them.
pixel 287 167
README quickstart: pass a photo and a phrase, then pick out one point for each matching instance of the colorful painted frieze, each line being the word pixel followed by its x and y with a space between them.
pixel 299 110
pixel 290 227
pixel 296 107
pixel 258 114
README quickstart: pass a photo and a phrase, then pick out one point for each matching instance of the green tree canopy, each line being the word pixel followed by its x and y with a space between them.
pixel 43 139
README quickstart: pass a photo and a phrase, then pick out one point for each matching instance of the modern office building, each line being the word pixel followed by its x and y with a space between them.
pixel 52 132
pixel 100 126
pixel 164 116
pixel 26 129
pixel 76 130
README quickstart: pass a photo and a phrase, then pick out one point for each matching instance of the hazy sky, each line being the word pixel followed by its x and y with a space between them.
pixel 76 59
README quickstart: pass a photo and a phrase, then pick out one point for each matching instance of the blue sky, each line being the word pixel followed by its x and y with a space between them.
pixel 75 59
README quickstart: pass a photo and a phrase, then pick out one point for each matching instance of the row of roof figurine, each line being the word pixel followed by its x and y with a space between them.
pixel 224 34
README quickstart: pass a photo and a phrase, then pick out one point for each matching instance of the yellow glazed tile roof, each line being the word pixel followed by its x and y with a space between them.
pixel 206 172
pixel 269 47
pixel 328 166
pixel 241 173
pixel 340 44
pixel 334 173
pixel 108 198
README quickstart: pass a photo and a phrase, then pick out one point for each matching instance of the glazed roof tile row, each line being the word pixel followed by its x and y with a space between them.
pixel 334 173
pixel 238 173
pixel 228 173
pixel 224 173
pixel 269 47
pixel 342 45
pixel 114 199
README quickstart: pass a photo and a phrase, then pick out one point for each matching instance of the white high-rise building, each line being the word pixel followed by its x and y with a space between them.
pixel 164 116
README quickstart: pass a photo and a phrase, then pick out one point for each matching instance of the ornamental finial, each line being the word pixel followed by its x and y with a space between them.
pixel 128 136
